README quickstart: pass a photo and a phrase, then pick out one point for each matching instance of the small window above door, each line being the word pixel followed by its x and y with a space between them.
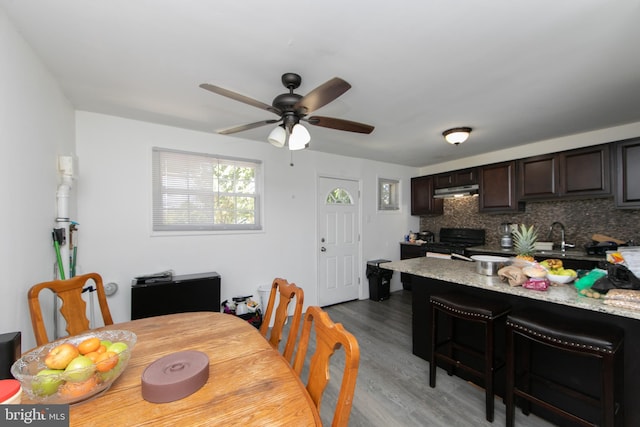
pixel 339 196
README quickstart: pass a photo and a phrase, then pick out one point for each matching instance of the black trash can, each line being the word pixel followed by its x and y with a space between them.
pixel 379 280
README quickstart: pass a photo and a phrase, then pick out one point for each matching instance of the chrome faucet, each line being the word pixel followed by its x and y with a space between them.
pixel 563 243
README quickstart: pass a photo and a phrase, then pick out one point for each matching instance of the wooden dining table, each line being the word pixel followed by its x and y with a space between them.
pixel 249 384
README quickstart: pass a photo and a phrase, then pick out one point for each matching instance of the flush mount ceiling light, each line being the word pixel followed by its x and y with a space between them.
pixel 456 136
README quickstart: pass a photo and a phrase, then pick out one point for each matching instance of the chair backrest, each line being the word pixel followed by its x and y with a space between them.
pixel 73 309
pixel 287 292
pixel 329 337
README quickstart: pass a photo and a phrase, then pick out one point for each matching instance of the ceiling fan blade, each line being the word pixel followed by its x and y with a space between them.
pixel 322 95
pixel 247 127
pixel 237 97
pixel 340 124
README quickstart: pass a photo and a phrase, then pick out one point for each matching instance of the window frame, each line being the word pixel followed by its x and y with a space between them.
pixel 157 204
pixel 391 207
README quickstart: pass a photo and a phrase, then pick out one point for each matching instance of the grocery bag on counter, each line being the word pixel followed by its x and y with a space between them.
pixel 618 277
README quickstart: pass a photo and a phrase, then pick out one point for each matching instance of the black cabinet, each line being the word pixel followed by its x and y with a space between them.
pixel 498 188
pixel 584 172
pixel 186 293
pixel 408 250
pixel 627 192
pixel 456 178
pixel 539 177
pixel 422 201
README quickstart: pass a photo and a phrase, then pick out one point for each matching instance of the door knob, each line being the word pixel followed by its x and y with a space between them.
pixel 323 249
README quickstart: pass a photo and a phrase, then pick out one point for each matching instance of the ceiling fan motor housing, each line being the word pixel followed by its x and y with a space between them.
pixel 291 80
pixel 286 101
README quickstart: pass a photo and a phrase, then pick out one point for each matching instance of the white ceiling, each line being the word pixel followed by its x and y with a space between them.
pixel 515 71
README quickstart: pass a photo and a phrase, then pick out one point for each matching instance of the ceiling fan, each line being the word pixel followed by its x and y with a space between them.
pixel 294 108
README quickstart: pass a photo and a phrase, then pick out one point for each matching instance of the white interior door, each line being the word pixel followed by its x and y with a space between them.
pixel 338 240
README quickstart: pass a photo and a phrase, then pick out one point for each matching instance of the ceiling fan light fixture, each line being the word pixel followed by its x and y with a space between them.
pixel 299 138
pixel 456 136
pixel 278 136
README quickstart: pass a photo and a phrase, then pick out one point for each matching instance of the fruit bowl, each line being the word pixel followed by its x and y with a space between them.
pixel 55 373
pixel 560 279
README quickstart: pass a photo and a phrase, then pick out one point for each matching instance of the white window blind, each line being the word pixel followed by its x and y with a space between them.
pixel 193 191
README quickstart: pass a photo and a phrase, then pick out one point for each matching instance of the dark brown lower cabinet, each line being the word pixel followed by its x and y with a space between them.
pixel 553 363
pixel 409 251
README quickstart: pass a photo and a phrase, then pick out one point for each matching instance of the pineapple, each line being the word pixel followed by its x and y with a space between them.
pixel 524 240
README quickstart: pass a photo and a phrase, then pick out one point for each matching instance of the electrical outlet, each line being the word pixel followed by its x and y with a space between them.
pixel 110 288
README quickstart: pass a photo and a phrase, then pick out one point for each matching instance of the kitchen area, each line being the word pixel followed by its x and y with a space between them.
pixel 568 197
pixel 581 203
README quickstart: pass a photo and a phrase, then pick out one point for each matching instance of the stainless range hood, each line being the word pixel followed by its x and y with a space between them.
pixel 463 190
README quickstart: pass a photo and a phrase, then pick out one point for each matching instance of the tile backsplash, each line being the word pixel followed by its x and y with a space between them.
pixel 581 219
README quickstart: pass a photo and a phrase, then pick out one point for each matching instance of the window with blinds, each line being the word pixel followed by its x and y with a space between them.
pixel 388 194
pixel 194 191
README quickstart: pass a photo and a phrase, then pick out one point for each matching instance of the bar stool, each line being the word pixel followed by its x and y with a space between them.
pixel 472 309
pixel 578 339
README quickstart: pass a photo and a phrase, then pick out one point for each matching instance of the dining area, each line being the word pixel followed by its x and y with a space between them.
pixel 240 376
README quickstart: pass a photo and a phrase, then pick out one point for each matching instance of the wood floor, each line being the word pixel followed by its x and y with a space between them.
pixel 392 387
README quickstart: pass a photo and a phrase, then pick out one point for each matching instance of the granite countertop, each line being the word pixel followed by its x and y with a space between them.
pixel 464 273
pixel 575 254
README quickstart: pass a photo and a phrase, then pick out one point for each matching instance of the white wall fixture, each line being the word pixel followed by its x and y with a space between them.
pixel 456 136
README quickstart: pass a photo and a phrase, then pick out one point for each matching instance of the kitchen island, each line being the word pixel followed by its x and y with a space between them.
pixel 432 276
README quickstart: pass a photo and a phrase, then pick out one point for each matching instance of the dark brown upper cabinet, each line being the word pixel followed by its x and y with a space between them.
pixel 456 178
pixel 422 201
pixel 627 155
pixel 580 173
pixel 498 188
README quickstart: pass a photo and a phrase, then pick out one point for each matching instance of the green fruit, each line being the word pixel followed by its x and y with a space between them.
pixel 79 369
pixel 118 347
pixel 106 343
pixel 46 382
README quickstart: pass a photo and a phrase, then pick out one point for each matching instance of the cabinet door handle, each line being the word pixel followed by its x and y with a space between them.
pixel 323 249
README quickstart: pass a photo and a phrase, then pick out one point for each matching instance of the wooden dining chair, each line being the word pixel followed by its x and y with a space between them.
pixel 73 309
pixel 287 292
pixel 329 337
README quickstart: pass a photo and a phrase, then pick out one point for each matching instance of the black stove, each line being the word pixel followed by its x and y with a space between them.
pixel 456 240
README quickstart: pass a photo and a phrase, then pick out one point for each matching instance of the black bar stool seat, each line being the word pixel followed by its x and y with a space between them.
pixel 603 342
pixel 473 309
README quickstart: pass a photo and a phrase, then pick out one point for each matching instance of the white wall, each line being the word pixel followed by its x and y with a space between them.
pixel 114 204
pixel 36 125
